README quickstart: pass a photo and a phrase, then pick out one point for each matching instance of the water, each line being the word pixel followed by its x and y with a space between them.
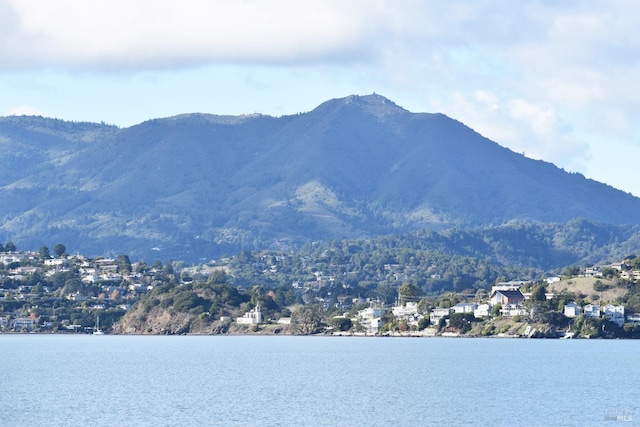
pixel 316 381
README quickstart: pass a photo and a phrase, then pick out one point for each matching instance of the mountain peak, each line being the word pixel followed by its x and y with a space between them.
pixel 374 104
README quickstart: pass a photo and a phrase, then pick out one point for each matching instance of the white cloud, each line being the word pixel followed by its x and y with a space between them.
pixel 147 34
pixel 24 110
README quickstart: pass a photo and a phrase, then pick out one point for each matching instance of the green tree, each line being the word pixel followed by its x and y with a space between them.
pixel 10 247
pixel 124 264
pixel 538 293
pixel 407 292
pixel 43 252
pixel 307 319
pixel 495 310
pixel 341 323
pixel 59 250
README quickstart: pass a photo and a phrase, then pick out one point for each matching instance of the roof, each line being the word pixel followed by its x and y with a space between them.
pixel 510 294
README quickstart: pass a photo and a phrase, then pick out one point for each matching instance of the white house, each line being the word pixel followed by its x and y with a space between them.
pixel 251 317
pixel 634 318
pixel 593 272
pixel 591 310
pixel 23 323
pixel 438 313
pixel 572 309
pixel 402 311
pixel 464 307
pixel 370 319
pixel 482 310
pixel 615 313
pixel 512 310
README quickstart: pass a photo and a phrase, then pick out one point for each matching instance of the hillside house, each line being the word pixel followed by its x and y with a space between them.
pixel 464 307
pixel 634 318
pixel 591 311
pixel 506 297
pixel 512 310
pixel 438 314
pixel 482 310
pixel 572 309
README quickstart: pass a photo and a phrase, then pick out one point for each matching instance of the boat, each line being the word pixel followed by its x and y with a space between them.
pixel 98 331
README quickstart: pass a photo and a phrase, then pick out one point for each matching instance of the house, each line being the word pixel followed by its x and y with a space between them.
pixel 615 313
pixel 464 307
pixel 438 314
pixel 633 318
pixel 572 309
pixel 593 272
pixel 512 285
pixel 591 310
pixel 404 311
pixel 620 266
pixel 21 324
pixel 482 310
pixel 506 297
pixel 512 310
pixel 251 317
pixel 371 319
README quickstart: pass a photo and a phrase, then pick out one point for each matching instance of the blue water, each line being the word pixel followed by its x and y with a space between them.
pixel 316 381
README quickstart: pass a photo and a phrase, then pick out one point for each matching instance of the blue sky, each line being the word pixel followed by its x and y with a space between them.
pixel 557 81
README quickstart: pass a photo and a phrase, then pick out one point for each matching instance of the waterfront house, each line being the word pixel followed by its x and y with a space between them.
pixel 22 324
pixel 615 313
pixel 251 317
pixel 371 319
pixel 405 311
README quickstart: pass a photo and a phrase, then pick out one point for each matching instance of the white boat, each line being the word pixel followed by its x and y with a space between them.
pixel 98 331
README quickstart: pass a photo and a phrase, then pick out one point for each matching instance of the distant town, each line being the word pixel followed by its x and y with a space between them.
pixel 55 292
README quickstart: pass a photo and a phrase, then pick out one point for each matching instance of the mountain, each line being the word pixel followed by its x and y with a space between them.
pixel 197 185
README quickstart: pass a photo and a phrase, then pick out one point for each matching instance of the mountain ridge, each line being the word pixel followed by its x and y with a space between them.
pixel 198 185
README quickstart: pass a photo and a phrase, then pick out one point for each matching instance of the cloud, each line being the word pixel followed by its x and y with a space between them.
pixel 148 34
pixel 24 110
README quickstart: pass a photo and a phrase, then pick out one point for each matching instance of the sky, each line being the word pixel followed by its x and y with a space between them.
pixel 555 80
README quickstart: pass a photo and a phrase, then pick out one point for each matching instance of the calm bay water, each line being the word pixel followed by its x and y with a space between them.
pixel 54 380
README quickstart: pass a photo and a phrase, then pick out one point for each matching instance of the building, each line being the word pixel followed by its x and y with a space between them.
pixel 464 307
pixel 251 317
pixel 572 309
pixel 512 310
pixel 482 310
pixel 371 319
pixel 615 313
pixel 21 324
pixel 404 311
pixel 591 310
pixel 438 314
pixel 634 318
pixel 506 297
